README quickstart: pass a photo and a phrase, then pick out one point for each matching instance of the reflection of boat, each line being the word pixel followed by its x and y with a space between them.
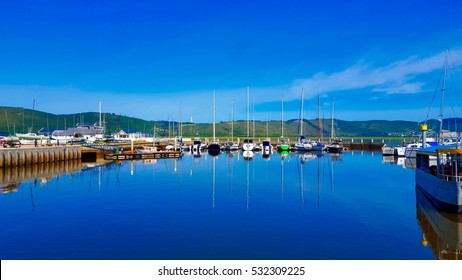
pixel 441 180
pixel 304 157
pixel 247 154
pixel 388 159
pixel 196 153
pixel 442 231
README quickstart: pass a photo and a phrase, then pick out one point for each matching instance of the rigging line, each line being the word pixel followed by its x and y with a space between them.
pixel 434 94
pixel 452 74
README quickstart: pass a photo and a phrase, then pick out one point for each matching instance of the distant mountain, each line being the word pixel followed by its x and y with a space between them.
pixel 14 119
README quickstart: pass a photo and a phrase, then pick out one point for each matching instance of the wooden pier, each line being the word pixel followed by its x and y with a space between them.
pixel 133 156
pixel 364 146
pixel 10 157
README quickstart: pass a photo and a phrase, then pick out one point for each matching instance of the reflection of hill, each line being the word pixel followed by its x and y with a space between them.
pixel 12 177
pixel 443 231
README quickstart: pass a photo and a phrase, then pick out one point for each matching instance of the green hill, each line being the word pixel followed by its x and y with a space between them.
pixel 21 120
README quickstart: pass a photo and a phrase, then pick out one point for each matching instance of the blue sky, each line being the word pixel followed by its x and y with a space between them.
pixel 144 58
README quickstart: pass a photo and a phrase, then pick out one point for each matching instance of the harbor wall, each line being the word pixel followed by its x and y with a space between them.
pixel 27 156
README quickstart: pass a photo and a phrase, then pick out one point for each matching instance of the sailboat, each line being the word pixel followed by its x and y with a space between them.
pixel 283 144
pixel 30 135
pixel 230 145
pixel 248 144
pixel 302 145
pixel 335 146
pixel 266 147
pixel 318 145
pixel 214 148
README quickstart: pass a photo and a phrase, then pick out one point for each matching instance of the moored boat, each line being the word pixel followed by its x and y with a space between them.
pixel 335 147
pixel 248 144
pixel 439 176
pixel 283 145
pixel 231 146
pixel 197 145
pixel 387 150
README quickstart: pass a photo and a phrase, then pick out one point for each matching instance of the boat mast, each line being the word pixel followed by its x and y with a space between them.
pixel 319 122
pixel 232 121
pixel 100 109
pixel 332 121
pixel 282 117
pixel 213 116
pixel 301 116
pixel 253 118
pixel 248 112
pixel 443 90
pixel 180 127
pixel 33 116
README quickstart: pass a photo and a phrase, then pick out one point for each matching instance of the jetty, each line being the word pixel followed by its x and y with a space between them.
pixel 132 156
pixel 10 157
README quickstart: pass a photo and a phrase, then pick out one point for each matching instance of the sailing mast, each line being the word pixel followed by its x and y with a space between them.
pixel 232 122
pixel 282 117
pixel 319 121
pixel 100 114
pixel 443 90
pixel 301 116
pixel 248 111
pixel 214 148
pixel 332 121
pixel 214 116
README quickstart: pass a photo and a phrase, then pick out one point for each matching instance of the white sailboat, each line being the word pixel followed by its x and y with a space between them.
pixel 248 144
pixel 334 146
pixel 302 145
pixel 266 147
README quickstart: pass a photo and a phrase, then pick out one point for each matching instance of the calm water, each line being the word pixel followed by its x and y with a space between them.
pixel 355 206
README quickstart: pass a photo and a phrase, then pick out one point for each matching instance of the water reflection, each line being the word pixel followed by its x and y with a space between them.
pixel 441 231
pixel 206 201
pixel 12 177
pixel 401 161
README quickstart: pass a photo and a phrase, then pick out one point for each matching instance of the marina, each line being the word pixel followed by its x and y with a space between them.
pixel 229 206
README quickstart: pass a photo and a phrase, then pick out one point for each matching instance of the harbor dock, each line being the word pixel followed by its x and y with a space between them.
pixel 132 156
pixel 11 157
